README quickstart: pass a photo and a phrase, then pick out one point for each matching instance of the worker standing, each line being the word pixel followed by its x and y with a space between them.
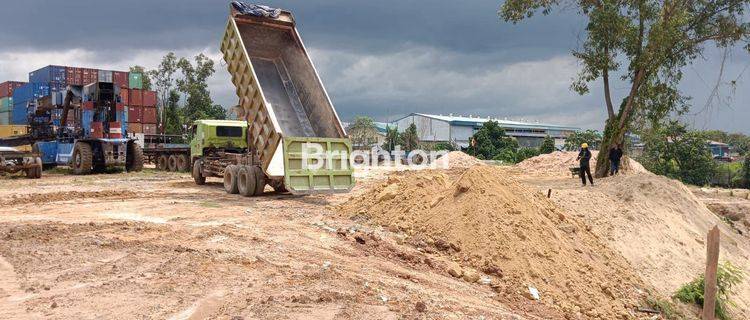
pixel 615 155
pixel 584 157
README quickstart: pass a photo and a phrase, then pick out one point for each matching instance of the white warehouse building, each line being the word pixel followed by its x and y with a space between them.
pixel 459 129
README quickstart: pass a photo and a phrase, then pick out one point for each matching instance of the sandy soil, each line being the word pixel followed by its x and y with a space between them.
pixel 154 245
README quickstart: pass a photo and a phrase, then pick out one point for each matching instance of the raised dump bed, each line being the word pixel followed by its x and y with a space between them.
pixel 284 102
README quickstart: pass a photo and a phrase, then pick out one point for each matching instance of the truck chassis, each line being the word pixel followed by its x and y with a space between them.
pixel 13 161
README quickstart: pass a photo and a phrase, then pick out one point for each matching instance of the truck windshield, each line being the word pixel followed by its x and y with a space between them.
pixel 232 132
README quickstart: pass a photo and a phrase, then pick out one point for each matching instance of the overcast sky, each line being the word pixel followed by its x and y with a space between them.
pixel 379 58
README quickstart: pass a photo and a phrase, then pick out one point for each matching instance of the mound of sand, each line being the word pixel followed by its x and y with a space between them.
pixel 457 159
pixel 490 221
pixel 559 163
pixel 659 226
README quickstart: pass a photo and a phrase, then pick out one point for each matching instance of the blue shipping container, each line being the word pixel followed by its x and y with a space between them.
pixel 49 74
pixel 30 91
pixel 20 114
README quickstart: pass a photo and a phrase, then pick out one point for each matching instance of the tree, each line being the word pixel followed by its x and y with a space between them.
pixel 410 138
pixel 574 141
pixel 198 104
pixel 173 114
pixel 445 146
pixel 165 82
pixel 525 153
pixel 392 139
pixel 746 171
pixel 548 145
pixel 490 140
pixel 649 42
pixel 363 133
pixel 144 76
pixel 674 151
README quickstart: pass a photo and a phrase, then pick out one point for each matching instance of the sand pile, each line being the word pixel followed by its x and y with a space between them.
pixel 559 163
pixel 496 224
pixel 457 159
pixel 659 226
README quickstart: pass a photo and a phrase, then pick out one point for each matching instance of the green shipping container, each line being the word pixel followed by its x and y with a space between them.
pixel 4 118
pixel 6 104
pixel 135 80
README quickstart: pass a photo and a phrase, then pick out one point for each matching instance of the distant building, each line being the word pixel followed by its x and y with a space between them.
pixel 459 129
pixel 381 127
pixel 719 150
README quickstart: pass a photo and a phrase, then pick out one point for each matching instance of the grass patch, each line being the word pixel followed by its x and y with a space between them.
pixel 209 204
pixel 667 308
pixel 728 276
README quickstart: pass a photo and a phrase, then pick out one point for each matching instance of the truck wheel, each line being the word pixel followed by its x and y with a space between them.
pixel 82 158
pixel 134 158
pixel 197 176
pixel 38 168
pixel 161 162
pixel 183 163
pixel 246 181
pixel 172 163
pixel 260 181
pixel 230 179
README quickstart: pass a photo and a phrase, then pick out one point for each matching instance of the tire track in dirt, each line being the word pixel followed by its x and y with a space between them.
pixel 11 295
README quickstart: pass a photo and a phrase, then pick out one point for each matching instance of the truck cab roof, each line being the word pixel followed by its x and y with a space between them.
pixel 225 123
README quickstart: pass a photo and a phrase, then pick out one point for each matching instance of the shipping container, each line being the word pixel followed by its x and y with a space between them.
pixel 30 91
pixel 97 130
pixel 105 76
pixel 124 96
pixel 149 128
pixel 7 88
pixel 134 127
pixel 136 97
pixel 115 130
pixel 90 76
pixel 135 114
pixel 149 98
pixel 149 115
pixel 20 114
pixel 12 130
pixel 6 104
pixel 5 118
pixel 120 79
pixel 135 80
pixel 49 74
pixel 74 76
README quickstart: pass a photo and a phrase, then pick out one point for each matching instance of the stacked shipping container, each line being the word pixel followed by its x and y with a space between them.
pixel 139 104
pixel 6 100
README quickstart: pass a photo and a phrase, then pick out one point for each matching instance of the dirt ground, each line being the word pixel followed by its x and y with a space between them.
pixel 156 246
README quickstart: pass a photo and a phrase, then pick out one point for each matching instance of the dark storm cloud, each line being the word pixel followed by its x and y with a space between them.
pixel 378 58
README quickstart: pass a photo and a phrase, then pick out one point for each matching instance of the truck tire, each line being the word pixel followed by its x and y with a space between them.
pixel 246 181
pixel 260 181
pixel 172 163
pixel 197 176
pixel 230 179
pixel 134 158
pixel 39 167
pixel 183 163
pixel 82 158
pixel 161 162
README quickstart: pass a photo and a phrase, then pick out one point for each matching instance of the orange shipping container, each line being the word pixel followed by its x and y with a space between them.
pixel 136 97
pixel 135 127
pixel 135 114
pixel 120 79
pixel 149 115
pixel 124 96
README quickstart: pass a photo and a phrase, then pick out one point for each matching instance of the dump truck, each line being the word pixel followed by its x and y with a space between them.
pixel 285 109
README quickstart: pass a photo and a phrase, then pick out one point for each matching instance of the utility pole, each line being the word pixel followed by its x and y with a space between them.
pixel 712 264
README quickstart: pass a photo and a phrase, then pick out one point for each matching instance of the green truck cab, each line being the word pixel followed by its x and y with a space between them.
pixel 217 134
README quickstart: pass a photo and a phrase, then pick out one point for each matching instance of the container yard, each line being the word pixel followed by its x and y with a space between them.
pixel 267 215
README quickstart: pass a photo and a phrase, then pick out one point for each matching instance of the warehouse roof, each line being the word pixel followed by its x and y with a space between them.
pixel 477 121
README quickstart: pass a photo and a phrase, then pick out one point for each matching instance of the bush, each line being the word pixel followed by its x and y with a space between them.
pixel 728 276
pixel 447 146
pixel 746 170
pixel 548 145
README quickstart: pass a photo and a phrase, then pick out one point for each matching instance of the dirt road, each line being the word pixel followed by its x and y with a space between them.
pixel 156 246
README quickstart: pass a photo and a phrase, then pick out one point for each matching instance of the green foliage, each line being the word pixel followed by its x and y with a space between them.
pixel 678 153
pixel 666 307
pixel 363 133
pixel 730 175
pixel 738 141
pixel 146 78
pixel 173 114
pixel 746 171
pixel 194 84
pixel 491 142
pixel 574 141
pixel 410 138
pixel 446 146
pixel 548 145
pixel 727 277
pixel 392 139
pixel 506 155
pixel 525 153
